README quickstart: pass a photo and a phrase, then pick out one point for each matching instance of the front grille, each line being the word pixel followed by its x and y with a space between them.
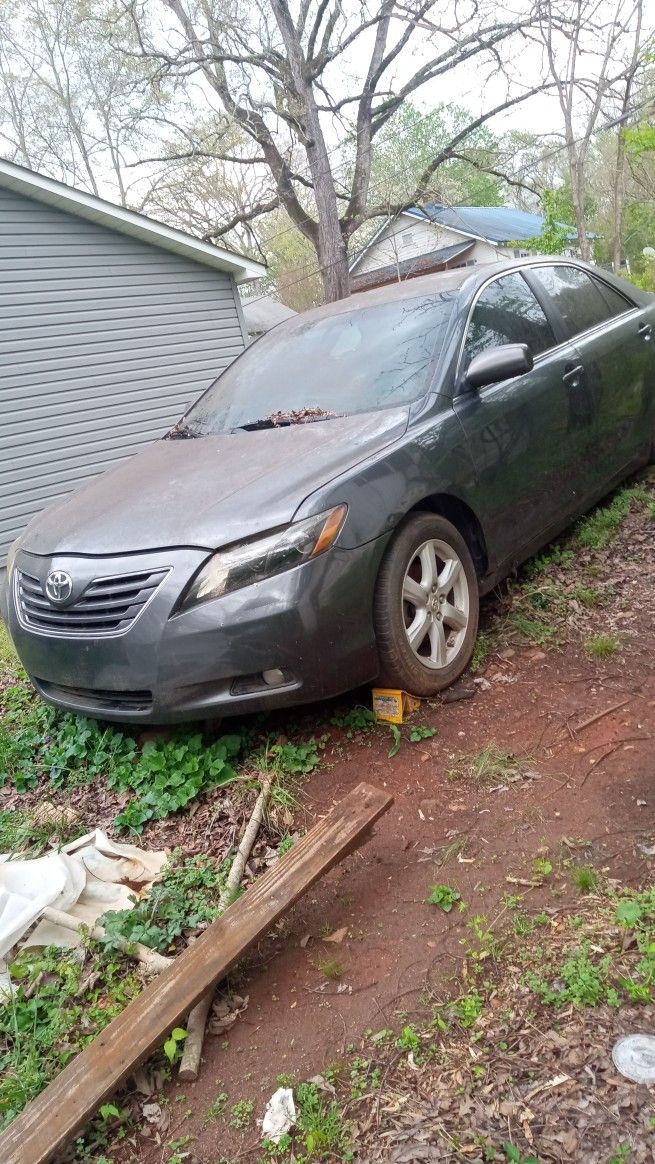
pixel 95 699
pixel 106 606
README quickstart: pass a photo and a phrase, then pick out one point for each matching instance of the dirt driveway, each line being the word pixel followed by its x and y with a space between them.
pixel 552 758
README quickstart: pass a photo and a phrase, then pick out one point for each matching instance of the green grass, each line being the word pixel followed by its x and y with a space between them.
pixel 537 632
pixel 585 878
pixel 9 663
pixel 60 1004
pixel 598 530
pixel 603 646
pixel 588 596
pixel 332 970
pixel 481 651
pixel 21 833
pixel 490 766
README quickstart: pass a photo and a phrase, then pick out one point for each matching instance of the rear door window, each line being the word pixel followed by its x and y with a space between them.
pixel 577 297
pixel 617 303
pixel 507 312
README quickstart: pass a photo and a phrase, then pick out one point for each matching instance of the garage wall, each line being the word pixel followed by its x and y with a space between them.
pixel 104 341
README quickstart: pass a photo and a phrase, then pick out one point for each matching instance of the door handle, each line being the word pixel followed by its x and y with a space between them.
pixel 645 330
pixel 573 374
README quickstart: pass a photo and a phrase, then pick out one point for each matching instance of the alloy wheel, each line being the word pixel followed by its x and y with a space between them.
pixel 435 604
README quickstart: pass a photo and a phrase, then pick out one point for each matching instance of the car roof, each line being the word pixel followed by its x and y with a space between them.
pixel 463 281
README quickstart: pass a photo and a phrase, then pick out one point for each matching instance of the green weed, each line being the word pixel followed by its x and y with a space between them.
pixel 409 1040
pixel 40 743
pixel 355 721
pixel 444 897
pixel 514 1155
pixel 603 646
pixel 468 1008
pixel 285 845
pixel 20 833
pixel 588 596
pixel 363 1077
pixel 172 1046
pixel 241 1114
pixel 397 739
pixel 185 898
pixel 321 1126
pixel 418 733
pixel 579 980
pixel 215 1108
pixel 553 556
pixel 9 664
pixel 540 634
pixel 621 1154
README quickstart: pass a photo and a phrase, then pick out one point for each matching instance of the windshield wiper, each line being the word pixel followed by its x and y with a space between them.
pixel 285 419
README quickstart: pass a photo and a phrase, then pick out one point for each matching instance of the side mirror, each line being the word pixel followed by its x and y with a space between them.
pixel 497 364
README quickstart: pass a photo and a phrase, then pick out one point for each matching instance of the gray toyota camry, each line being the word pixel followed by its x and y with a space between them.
pixel 331 509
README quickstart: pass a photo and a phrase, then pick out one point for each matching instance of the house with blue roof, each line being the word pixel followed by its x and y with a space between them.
pixel 435 237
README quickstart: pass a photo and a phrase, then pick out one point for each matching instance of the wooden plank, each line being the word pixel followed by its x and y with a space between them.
pixel 67 1104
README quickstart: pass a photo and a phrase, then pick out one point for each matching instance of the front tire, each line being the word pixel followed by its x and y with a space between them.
pixel 426 606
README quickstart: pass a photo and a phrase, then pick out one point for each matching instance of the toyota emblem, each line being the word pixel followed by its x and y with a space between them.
pixel 58 586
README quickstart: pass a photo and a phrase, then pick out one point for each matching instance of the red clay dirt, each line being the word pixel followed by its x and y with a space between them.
pixel 580 781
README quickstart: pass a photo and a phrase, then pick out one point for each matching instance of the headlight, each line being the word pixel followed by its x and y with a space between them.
pixel 263 557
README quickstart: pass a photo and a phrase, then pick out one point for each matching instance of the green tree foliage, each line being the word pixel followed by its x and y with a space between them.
pixel 554 238
pixel 412 138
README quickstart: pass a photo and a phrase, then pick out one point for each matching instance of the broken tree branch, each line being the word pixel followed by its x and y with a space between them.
pixel 190 1061
pixel 150 958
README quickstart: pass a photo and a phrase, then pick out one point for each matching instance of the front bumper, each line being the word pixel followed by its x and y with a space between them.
pixel 313 623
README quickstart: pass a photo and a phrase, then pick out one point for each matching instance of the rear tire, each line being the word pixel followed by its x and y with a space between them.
pixel 426 606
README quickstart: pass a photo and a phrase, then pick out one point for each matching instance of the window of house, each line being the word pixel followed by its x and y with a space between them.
pixel 576 295
pixel 507 312
pixel 407 238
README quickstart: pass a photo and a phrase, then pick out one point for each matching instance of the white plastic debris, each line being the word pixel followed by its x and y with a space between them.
pixel 634 1057
pixel 280 1115
pixel 86 878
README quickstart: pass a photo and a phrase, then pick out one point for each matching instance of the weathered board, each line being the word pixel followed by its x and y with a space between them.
pixel 67 1104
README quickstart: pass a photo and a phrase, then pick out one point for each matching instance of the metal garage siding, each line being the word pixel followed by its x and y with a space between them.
pixel 104 341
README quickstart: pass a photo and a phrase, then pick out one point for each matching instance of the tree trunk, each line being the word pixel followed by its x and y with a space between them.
pixel 577 195
pixel 333 259
pixel 618 202
pixel 330 245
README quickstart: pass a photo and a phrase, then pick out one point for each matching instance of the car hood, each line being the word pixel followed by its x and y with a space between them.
pixel 209 491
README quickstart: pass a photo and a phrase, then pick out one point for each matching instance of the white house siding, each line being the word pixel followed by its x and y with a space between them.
pixel 407 237
pixel 104 341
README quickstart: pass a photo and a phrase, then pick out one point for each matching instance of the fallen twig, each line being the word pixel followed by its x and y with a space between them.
pixel 579 727
pixel 150 958
pixel 197 1021
pixel 614 748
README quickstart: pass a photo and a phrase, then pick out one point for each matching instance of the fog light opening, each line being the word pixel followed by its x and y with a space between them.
pixel 276 677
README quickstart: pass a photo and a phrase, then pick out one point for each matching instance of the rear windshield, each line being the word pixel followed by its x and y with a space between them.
pixel 369 358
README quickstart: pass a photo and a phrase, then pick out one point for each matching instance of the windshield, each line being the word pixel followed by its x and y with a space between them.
pixel 311 369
